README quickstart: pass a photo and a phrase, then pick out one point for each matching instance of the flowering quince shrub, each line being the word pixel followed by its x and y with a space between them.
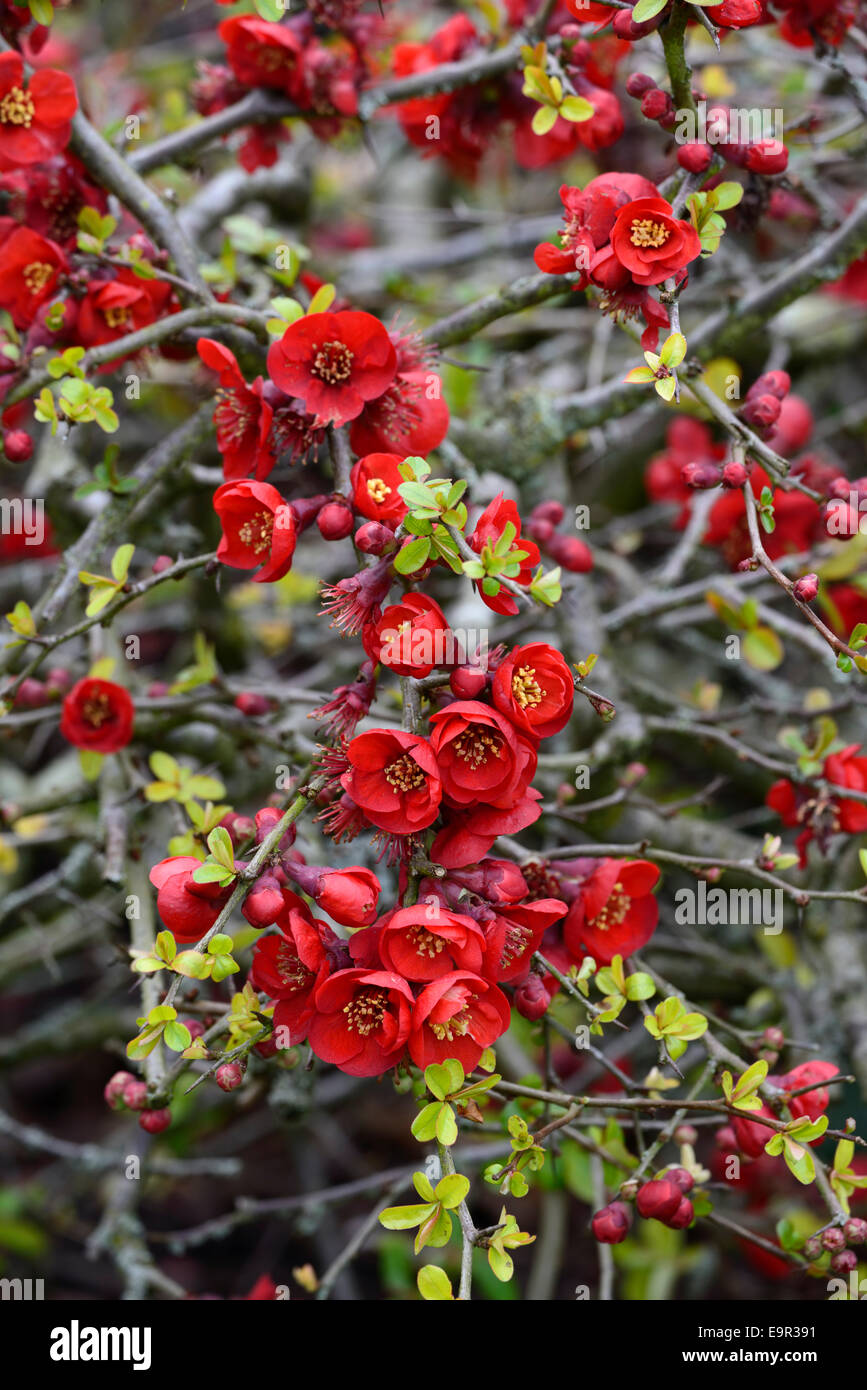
pixel 436 711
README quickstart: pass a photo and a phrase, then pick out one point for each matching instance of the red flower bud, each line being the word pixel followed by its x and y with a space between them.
pixel 683 1216
pixel 251 702
pixel 655 104
pixel 695 157
pixel 762 411
pixel 162 562
pixel 681 1178
pixel 806 588
pixel 776 383
pixel 767 157
pixel 264 902
pixel 467 682
pixel 855 1231
pixel 701 475
pixel 659 1199
pixel 134 1095
pixel 844 1262
pixel 734 474
pixel 611 1225
pixel 637 83
pixel 541 530
pixel 17 446
pixel 833 1239
pixel 571 554
pixel 155 1121
pixel 531 1001
pixel 115 1088
pixel 373 538
pixel 335 521
pixel 549 511
pixel 229 1076
pixel 31 694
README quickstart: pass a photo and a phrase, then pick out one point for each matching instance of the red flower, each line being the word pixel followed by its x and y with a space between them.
pixel 535 689
pixel 410 417
pixel 394 779
pixel 258 529
pixel 515 933
pixel 375 481
pixel 242 416
pixel 615 913
pixel 362 1020
pixel 428 941
pixel 846 769
pixel 97 716
pixel 797 519
pixel 335 363
pixel 651 242
pixel 123 304
pixel 813 1103
pixel 468 835
pixel 738 14
pixel 188 909
pixel 411 637
pixel 489 529
pixel 34 120
pixel 481 757
pixel 264 54
pixel 457 1016
pixel 30 267
pixel 348 895
pixel 590 215
pixel 290 968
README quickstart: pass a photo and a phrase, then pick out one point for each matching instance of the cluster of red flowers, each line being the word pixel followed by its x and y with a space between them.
pixel 802 22
pixel 621 236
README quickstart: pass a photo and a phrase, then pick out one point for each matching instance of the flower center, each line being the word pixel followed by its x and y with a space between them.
pixel 116 317
pixel 646 232
pixel 333 363
pixel 404 774
pixel 515 942
pixel 525 687
pixel 378 489
pixel 614 911
pixel 475 745
pixel 36 275
pixel 233 415
pixel 96 710
pixel 456 1027
pixel 17 108
pixel 292 971
pixel 257 531
pixel 425 942
pixel 364 1012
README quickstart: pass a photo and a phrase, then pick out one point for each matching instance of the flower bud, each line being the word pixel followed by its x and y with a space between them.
pixel 532 998
pixel 134 1095
pixel 767 157
pixel 776 383
pixel 17 446
pixel 855 1230
pixel 350 895
pixel 252 703
pixel 467 682
pixel 762 411
pixel 681 1178
pixel 335 521
pixel 833 1239
pixel 844 1262
pixel 637 83
pixel 549 511
pixel 571 554
pixel 701 475
pixel 659 1199
pixel 806 588
pixel 264 903
pixel 655 104
pixel 734 474
pixel 683 1216
pixel 115 1087
pixel 161 563
pixel 611 1225
pixel 694 157
pixel 155 1121
pixel 373 538
pixel 229 1076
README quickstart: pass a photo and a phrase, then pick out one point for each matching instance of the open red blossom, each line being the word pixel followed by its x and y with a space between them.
pixel 290 967
pixel 393 777
pixel 334 363
pixel 457 1016
pixel 813 1103
pixel 97 716
pixel 242 416
pixel 615 913
pixel 34 116
pixel 589 215
pixel 30 267
pixel 488 530
pixel 123 304
pixel 411 637
pixel 348 895
pixel 258 529
pixel 847 769
pixel 264 54
pixel 410 417
pixel 188 909
pixel 515 932
pixel 829 20
pixel 427 941
pixel 375 481
pixel 796 517
pixel 651 242
pixel 362 1020
pixel 482 758
pixel 468 835
pixel 535 689
pixel 738 14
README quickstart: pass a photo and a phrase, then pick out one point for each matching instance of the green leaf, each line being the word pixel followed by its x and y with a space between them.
pixel 451 1190
pixel 639 376
pixel 763 649
pixel 120 563
pixel 673 350
pixel 543 120
pixel 575 109
pixel 177 1036
pixel 446 1126
pixel 220 845
pixel 164 767
pixel 434 1284
pixel 404 1218
pixel 42 11
pixel 192 965
pixel 727 195
pixel 424 1126
pixel 666 388
pixel 647 9
pixel 412 556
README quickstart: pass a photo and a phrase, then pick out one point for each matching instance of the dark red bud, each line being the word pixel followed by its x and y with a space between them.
pixel 611 1225
pixel 155 1121
pixel 806 588
pixel 335 521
